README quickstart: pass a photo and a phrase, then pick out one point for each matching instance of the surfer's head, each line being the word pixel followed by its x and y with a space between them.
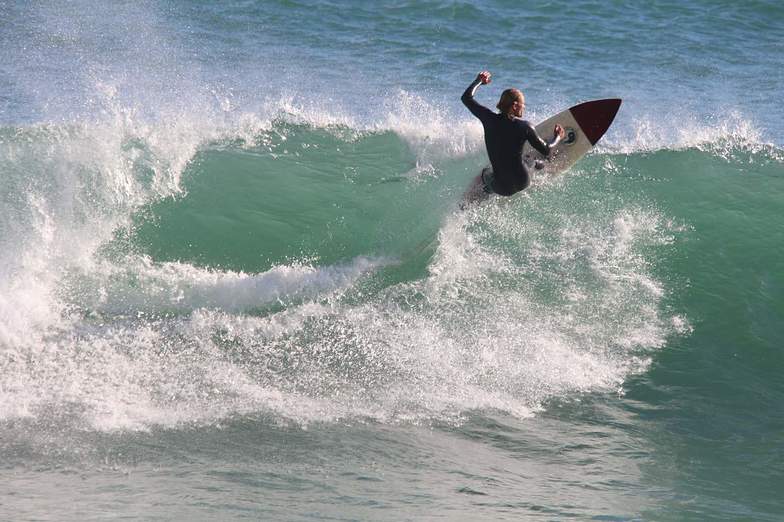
pixel 512 103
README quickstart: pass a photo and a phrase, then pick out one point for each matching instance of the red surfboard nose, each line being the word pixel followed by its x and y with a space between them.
pixel 595 117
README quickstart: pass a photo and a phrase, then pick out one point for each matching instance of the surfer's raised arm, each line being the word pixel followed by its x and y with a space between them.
pixel 477 109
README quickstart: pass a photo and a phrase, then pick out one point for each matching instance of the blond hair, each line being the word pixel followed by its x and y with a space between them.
pixel 508 97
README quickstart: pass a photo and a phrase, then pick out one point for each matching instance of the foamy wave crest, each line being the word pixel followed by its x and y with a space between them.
pixel 726 135
pixel 143 286
pixel 70 186
pixel 552 302
pixel 431 131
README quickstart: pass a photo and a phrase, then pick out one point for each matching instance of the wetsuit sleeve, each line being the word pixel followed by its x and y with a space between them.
pixel 537 142
pixel 477 109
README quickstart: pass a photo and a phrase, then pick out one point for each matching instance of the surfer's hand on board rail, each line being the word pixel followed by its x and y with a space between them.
pixel 484 77
pixel 558 131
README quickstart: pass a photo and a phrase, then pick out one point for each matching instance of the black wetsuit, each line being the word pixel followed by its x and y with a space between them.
pixel 504 139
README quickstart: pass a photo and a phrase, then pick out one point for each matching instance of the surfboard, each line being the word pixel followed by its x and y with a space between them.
pixel 584 125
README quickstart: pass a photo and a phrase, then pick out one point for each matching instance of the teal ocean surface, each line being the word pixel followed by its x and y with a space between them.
pixel 235 283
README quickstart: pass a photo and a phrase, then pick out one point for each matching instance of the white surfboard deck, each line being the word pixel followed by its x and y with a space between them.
pixel 584 125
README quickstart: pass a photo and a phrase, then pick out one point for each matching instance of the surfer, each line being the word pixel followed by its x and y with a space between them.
pixel 505 135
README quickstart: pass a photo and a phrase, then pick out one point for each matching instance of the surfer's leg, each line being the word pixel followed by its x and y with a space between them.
pixel 475 191
pixel 479 189
pixel 526 177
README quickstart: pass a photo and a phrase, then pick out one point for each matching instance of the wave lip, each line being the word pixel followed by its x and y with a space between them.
pixel 150 287
pixel 719 135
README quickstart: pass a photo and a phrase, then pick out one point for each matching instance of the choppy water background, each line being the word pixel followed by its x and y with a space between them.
pixel 234 283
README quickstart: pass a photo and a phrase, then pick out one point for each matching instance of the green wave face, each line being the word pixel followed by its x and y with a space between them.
pixel 304 193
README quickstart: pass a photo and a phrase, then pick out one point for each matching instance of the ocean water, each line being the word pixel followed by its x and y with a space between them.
pixel 235 285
